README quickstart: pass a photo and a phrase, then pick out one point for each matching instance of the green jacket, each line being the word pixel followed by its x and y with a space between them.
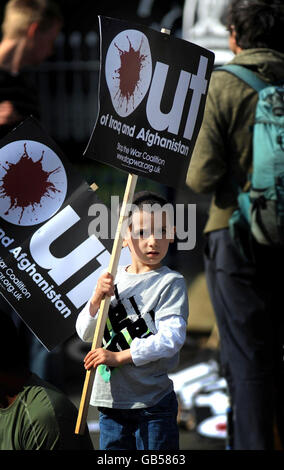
pixel 223 152
pixel 41 418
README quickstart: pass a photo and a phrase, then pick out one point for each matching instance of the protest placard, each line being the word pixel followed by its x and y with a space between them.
pixel 152 93
pixel 49 259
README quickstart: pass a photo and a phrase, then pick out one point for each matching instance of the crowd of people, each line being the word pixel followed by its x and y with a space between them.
pixel 148 313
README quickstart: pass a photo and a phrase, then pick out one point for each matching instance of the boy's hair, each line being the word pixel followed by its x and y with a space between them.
pixel 20 14
pixel 151 201
pixel 257 23
pixel 148 197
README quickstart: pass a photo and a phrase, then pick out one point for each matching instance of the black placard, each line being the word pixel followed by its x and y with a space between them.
pixel 152 95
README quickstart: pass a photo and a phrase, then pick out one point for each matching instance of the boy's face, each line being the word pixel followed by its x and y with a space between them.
pixel 148 239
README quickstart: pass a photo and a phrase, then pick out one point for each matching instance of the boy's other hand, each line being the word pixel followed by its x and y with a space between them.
pixel 110 358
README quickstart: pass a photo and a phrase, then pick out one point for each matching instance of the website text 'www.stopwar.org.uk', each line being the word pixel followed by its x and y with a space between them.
pixel 131 162
pixel 13 285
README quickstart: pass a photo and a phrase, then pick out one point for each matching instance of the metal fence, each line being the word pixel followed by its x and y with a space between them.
pixel 68 87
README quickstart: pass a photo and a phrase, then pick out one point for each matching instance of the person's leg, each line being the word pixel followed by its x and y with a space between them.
pixel 272 283
pixel 245 335
pixel 279 378
pixel 117 430
pixel 158 428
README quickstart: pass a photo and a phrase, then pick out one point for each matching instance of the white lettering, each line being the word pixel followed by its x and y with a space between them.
pixel 62 269
pixel 171 121
pixel 157 119
pixel 80 294
pixel 198 84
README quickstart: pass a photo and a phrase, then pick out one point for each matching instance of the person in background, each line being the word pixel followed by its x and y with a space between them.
pixel 29 30
pixel 246 295
pixel 34 415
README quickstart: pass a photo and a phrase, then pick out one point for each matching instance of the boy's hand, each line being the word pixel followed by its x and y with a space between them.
pixel 104 287
pixel 102 356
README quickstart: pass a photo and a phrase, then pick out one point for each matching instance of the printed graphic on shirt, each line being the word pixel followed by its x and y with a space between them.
pixel 125 322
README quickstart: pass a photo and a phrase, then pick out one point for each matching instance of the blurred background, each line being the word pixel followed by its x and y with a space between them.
pixel 68 90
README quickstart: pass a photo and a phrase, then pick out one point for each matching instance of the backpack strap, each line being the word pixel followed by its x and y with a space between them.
pixel 245 74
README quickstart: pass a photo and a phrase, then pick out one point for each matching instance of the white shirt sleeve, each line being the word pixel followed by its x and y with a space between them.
pixel 86 324
pixel 165 343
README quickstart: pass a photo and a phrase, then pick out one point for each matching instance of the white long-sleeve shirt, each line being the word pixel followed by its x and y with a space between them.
pixel 149 315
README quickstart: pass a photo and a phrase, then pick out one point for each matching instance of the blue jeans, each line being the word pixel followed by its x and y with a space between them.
pixel 153 428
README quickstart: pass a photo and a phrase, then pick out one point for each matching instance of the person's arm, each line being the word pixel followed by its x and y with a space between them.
pixel 165 343
pixel 171 315
pixel 169 338
pixel 208 161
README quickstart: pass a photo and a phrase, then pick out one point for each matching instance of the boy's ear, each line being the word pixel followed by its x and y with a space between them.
pixel 126 236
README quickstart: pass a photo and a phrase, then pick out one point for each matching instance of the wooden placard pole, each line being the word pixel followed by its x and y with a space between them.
pixel 104 307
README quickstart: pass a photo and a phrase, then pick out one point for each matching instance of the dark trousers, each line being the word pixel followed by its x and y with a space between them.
pixel 248 301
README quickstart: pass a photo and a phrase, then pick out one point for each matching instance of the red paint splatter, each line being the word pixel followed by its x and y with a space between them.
pixel 131 63
pixel 26 183
pixel 221 426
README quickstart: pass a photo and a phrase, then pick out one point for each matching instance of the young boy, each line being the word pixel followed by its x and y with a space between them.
pixel 145 330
